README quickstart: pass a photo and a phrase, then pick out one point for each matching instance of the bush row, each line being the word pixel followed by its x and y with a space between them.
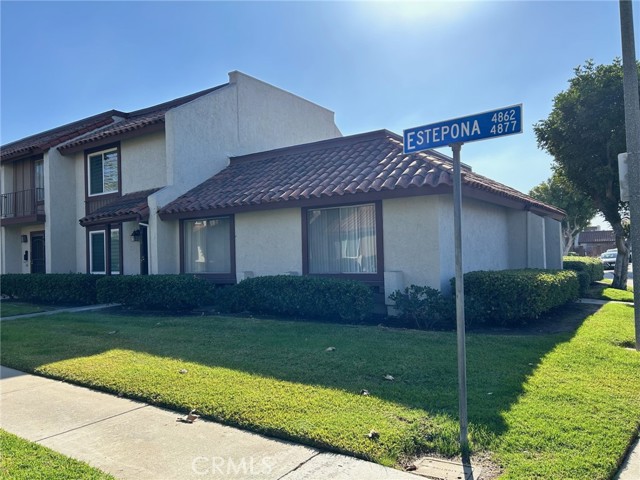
pixel 53 289
pixel 495 298
pixel 156 292
pixel 306 297
pixel 589 270
pixel 515 297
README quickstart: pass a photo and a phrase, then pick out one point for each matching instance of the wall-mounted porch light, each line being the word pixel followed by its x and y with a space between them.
pixel 135 236
pixel 24 238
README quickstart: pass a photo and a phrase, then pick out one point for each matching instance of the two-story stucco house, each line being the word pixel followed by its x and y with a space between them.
pixel 245 179
pixel 73 197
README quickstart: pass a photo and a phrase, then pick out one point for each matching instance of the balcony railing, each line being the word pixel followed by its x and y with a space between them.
pixel 25 203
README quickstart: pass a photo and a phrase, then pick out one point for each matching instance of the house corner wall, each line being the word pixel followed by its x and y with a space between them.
pixel 536 242
pixel 244 116
pixel 164 242
pixel 518 239
pixel 553 239
pixel 60 206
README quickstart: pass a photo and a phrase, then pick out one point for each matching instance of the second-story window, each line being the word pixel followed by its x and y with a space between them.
pixel 103 172
pixel 38 173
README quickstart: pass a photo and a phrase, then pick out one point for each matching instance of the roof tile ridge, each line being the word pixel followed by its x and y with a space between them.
pixel 168 105
pixel 311 146
pixel 97 118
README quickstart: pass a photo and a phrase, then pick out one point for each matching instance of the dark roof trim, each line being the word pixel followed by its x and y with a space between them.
pixel 98 140
pixel 41 142
pixel 136 123
pixel 129 207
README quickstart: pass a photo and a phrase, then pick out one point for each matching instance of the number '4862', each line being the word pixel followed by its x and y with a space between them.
pixel 505 116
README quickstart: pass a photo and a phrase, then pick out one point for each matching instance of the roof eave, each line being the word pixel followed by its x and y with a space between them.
pixel 80 145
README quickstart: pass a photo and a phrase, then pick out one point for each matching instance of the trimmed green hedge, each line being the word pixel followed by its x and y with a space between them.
pixel 515 297
pixel 591 266
pixel 156 292
pixel 51 288
pixel 306 297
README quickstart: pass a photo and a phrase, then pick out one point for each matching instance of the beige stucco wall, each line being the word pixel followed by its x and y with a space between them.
pixel 245 116
pixel 536 242
pixel 61 207
pixel 130 250
pixel 268 242
pixel 411 239
pixel 553 239
pixel 419 238
pixel 143 162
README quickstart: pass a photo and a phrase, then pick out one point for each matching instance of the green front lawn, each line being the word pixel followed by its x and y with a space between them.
pixel 11 308
pixel 602 290
pixel 24 460
pixel 547 406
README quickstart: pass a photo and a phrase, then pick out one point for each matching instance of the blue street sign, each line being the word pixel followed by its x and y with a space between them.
pixel 496 123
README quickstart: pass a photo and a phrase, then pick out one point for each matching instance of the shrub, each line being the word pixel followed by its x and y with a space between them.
pixel 156 292
pixel 592 266
pixel 514 297
pixel 52 288
pixel 291 296
pixel 425 306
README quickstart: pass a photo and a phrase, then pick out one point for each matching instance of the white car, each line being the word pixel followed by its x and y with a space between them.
pixel 608 258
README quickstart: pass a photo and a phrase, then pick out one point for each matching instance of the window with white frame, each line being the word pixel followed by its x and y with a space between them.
pixel 102 172
pixel 207 245
pixel 98 249
pixel 342 239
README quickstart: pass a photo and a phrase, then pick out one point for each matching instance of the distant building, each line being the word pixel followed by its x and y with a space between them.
pixel 593 242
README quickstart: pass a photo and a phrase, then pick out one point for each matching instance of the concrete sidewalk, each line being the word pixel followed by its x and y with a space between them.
pixel 133 440
pixel 88 308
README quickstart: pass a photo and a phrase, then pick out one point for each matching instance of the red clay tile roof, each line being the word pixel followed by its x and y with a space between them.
pixel 41 142
pixel 370 163
pixel 132 206
pixel 93 129
pixel 134 121
pixel 597 236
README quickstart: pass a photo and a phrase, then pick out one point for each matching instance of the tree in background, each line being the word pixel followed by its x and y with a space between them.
pixel 585 133
pixel 558 191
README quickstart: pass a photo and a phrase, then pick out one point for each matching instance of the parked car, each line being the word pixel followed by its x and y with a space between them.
pixel 608 258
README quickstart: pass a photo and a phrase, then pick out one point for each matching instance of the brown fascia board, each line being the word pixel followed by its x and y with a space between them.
pixel 324 201
pixel 352 198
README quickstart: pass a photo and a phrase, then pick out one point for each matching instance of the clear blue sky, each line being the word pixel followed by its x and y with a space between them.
pixel 376 65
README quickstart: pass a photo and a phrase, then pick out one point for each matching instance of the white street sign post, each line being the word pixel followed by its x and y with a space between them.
pixel 454 133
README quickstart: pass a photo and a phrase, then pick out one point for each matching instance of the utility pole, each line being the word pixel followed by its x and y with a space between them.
pixel 632 127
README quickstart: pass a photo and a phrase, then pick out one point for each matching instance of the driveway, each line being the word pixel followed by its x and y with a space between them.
pixel 609 274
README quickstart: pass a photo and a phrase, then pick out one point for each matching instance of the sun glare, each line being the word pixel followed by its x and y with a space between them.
pixel 416 11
